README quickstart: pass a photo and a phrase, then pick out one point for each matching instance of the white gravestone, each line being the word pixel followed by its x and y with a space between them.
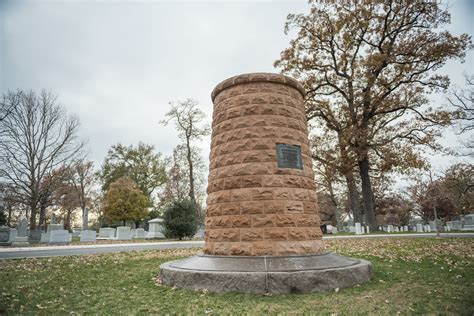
pixel 419 228
pixel 455 225
pixel 405 228
pixel 123 233
pixel 106 233
pixel 390 229
pixel 88 236
pixel 140 233
pixel 468 222
pixel 367 229
pixel 22 234
pixel 13 234
pixel 155 229
pixel 59 236
pixel 358 229
pixel 4 234
pixel 200 233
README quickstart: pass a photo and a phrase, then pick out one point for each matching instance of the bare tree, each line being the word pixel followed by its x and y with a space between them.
pixel 463 101
pixel 187 117
pixel 38 137
pixel 81 180
pixel 9 103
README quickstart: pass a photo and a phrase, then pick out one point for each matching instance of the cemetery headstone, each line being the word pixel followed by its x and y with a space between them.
pixel 468 222
pixel 5 236
pixel 199 233
pixel 106 233
pixel 21 240
pixel 123 233
pixel 34 235
pixel 23 228
pixel 13 234
pixel 140 233
pixel 419 228
pixel 358 229
pixel 59 236
pixel 390 229
pixel 88 236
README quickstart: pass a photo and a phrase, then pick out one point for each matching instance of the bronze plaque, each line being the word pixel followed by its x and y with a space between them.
pixel 289 156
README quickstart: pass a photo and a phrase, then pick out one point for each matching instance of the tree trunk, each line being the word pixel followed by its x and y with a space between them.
pixel 367 193
pixel 85 218
pixel 67 225
pixel 353 197
pixel 33 216
pixel 42 218
pixel 9 218
pixel 191 176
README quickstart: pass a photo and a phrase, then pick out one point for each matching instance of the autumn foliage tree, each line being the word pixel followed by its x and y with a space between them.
pixel 124 201
pixel 367 68
pixel 139 163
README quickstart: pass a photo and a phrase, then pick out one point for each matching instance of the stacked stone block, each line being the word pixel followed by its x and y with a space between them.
pixel 254 207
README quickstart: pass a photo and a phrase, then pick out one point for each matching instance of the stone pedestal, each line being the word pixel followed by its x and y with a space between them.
pixel 154 229
pixel 262 202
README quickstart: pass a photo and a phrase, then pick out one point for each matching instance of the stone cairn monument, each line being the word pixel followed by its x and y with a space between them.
pixel 262 227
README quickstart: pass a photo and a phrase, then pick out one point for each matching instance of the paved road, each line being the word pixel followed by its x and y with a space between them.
pixel 54 251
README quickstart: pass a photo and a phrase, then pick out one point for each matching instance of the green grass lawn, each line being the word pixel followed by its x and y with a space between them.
pixel 410 276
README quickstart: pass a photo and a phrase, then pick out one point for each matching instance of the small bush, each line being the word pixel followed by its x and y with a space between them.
pixel 180 219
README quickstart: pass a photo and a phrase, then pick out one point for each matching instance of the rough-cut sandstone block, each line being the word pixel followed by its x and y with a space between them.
pixel 263 220
pixel 241 249
pixel 254 207
pixel 251 234
pixel 275 234
pixel 265 248
pixel 241 221
pixel 231 234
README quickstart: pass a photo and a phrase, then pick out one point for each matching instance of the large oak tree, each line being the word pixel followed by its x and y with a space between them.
pixel 367 68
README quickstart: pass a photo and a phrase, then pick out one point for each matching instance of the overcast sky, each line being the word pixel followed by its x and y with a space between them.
pixel 117 64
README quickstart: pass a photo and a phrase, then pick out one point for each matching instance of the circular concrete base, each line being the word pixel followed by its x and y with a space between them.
pixel 261 275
